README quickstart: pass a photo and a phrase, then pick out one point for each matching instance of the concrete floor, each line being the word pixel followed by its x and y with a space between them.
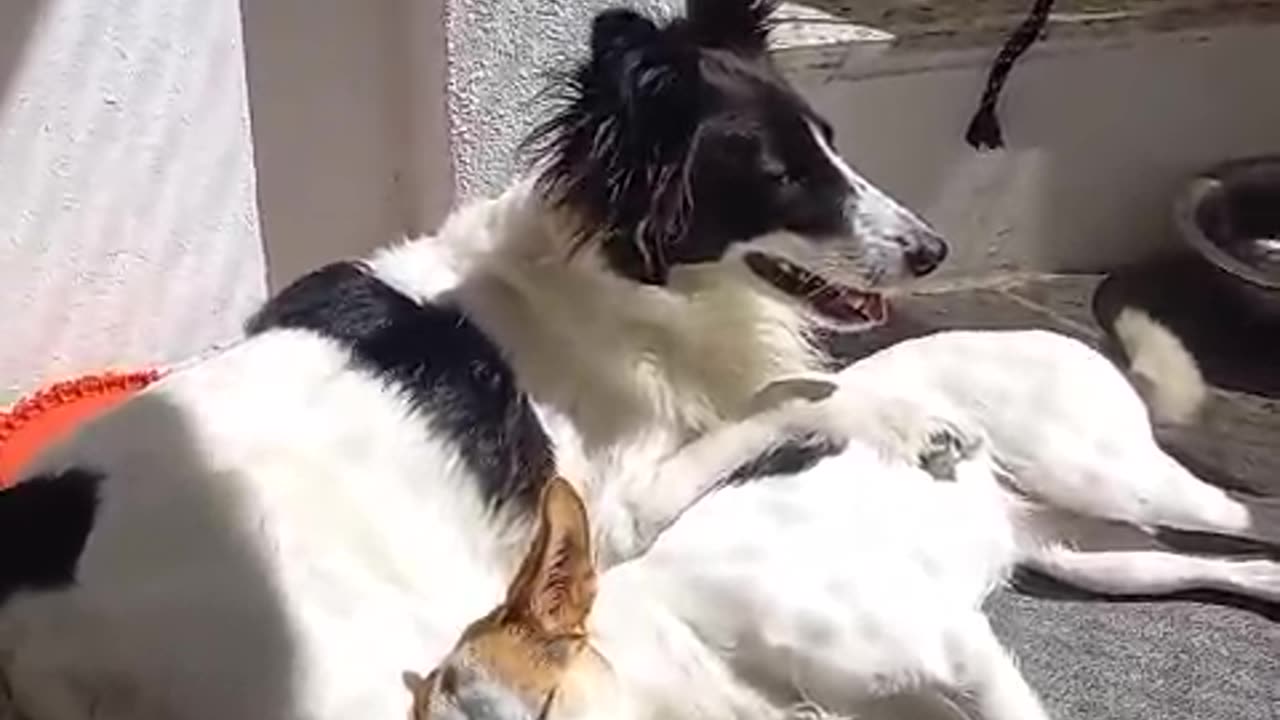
pixel 1200 656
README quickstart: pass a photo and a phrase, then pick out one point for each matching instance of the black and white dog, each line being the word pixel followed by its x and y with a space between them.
pixel 279 530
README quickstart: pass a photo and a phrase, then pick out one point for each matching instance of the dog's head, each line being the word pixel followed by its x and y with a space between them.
pixel 681 144
pixel 529 659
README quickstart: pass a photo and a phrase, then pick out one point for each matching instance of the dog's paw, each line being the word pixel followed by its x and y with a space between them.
pixel 943 447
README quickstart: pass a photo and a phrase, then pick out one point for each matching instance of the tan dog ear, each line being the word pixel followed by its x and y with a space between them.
pixel 556 584
pixel 417 686
pixel 413 682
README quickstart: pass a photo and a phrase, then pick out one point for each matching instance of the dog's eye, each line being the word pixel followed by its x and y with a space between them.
pixel 782 177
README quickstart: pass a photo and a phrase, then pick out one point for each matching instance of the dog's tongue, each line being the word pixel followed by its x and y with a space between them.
pixel 851 306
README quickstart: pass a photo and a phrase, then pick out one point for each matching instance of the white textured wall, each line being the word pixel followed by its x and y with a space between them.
pixel 1101 135
pixel 128 230
pixel 500 52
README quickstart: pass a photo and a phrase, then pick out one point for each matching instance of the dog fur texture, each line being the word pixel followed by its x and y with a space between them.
pixel 811 593
pixel 279 530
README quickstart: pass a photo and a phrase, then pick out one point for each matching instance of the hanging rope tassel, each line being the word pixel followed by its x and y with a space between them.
pixel 984 129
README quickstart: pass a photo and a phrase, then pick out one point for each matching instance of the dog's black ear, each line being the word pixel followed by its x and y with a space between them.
pixel 657 122
pixel 617 148
pixel 733 24
pixel 616 31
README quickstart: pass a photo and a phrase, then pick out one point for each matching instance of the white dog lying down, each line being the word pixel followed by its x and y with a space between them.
pixel 862 575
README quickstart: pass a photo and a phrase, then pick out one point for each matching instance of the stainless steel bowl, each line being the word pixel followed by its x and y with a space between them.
pixel 1230 215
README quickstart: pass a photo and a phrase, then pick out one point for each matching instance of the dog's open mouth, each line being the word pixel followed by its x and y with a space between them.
pixel 839 303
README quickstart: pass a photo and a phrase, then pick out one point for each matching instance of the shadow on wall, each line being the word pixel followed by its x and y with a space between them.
pixel 347 104
pixel 17 20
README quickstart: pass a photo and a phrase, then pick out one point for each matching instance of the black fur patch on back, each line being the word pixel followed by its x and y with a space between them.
pixel 448 368
pixel 45 522
pixel 787 458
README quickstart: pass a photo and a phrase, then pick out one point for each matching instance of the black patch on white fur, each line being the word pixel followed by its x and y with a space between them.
pixel 788 458
pixel 45 522
pixel 674 141
pixel 450 370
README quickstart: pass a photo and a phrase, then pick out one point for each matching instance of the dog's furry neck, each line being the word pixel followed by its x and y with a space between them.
pixel 614 356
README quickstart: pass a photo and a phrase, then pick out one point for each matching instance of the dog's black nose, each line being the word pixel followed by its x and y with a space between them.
pixel 924 253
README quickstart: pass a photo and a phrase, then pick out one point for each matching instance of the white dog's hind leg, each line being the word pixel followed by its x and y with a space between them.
pixel 1155 572
pixel 1132 480
pixel 985 679
pixel 1178 499
pixel 1116 559
pixel 1192 504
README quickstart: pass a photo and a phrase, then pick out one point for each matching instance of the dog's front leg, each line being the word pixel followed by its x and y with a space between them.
pixel 981 677
pixel 640 512
pixel 926 430
pixel 793 423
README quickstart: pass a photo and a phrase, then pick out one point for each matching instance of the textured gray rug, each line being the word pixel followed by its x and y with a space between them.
pixel 1162 660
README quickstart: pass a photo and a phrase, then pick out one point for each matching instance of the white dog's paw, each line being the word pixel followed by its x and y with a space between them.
pixel 944 446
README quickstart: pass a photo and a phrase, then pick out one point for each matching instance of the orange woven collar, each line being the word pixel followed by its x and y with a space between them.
pixel 49 413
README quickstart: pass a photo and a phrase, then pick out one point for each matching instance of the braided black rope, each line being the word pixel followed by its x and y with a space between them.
pixel 984 129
